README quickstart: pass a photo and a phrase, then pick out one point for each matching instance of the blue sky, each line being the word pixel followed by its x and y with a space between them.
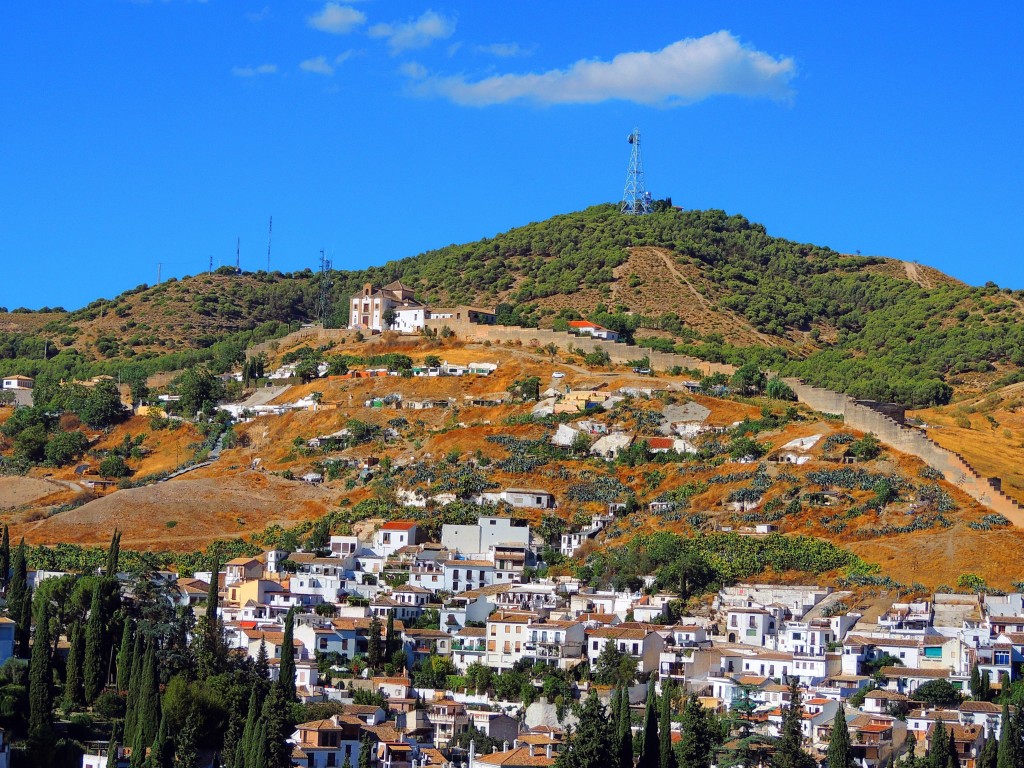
pixel 134 133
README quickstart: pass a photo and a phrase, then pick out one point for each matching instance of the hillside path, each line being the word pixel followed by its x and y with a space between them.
pixel 702 299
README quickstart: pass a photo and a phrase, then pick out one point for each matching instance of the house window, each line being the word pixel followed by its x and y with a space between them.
pixel 636 649
pixel 595 645
pixel 751 622
pixel 732 621
pixel 1002 658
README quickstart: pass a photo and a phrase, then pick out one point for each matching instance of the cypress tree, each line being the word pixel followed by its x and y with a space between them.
pixel 975 681
pixel 650 748
pixel 262 665
pixel 124 657
pixel 5 557
pixel 286 675
pixel 1008 754
pixel 347 763
pixel 986 687
pixel 40 673
pixel 665 752
pixel 17 588
pixel 148 719
pixel 94 656
pixel 696 747
pixel 26 613
pixel 989 753
pixel 790 753
pixel 74 695
pixel 364 751
pixel 389 636
pixel 114 554
pixel 236 722
pixel 162 753
pixel 134 683
pixel 839 752
pixel 276 725
pixel 624 742
pixel 952 761
pixel 373 649
pixel 243 749
pixel 593 741
pixel 938 751
pixel 210 652
pixel 186 750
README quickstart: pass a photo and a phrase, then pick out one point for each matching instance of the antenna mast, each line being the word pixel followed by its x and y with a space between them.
pixel 159 265
pixel 211 263
pixel 270 233
pixel 238 255
pixel 636 200
pixel 323 299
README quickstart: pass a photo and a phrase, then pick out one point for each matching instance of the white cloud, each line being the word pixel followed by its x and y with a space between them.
pixel 262 69
pixel 341 58
pixel 317 65
pixel 337 19
pixel 680 73
pixel 414 69
pixel 417 33
pixel 258 16
pixel 505 50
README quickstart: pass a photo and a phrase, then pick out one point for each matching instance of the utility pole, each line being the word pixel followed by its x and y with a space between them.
pixel 238 255
pixel 159 264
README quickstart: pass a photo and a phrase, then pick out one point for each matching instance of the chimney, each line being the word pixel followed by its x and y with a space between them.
pixel 504 746
pixel 547 751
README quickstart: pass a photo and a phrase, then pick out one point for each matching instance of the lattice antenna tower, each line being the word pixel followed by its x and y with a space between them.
pixel 636 200
pixel 323 299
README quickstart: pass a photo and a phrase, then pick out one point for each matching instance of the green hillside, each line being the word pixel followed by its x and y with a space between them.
pixel 858 324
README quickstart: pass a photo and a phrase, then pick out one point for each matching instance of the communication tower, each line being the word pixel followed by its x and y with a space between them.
pixel 323 299
pixel 636 200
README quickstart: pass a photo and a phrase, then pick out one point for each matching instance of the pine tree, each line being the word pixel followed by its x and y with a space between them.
pixel 124 657
pixel 938 752
pixel 790 753
pixel 665 752
pixel 40 673
pixel 17 588
pixel 114 554
pixel 839 753
pixel 593 741
pixel 696 747
pixel 624 738
pixel 286 673
pixel 94 656
pixel 650 748
pixel 373 649
pixel 5 557
pixel 74 695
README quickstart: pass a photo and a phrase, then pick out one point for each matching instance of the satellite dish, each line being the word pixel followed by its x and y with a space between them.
pixel 630 138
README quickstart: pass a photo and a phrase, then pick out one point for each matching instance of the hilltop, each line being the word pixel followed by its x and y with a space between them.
pixel 712 285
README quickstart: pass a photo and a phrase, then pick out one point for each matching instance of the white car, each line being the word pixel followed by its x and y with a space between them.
pixel 558 375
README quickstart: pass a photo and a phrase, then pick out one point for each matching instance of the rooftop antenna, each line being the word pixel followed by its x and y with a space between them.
pixel 238 255
pixel 323 299
pixel 270 232
pixel 636 200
